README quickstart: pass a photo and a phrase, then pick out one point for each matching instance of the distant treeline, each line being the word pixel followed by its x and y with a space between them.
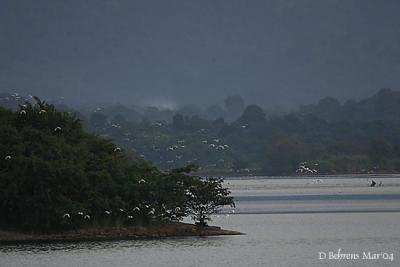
pixel 328 137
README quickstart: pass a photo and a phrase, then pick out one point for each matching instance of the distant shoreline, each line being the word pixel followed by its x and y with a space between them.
pixel 260 176
pixel 110 234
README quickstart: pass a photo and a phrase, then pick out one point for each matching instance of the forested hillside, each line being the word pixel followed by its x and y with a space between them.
pixel 328 137
pixel 323 138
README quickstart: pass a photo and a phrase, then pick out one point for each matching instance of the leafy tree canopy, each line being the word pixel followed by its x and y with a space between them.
pixel 56 176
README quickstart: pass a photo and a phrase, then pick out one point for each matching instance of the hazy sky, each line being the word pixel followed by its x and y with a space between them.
pixel 280 52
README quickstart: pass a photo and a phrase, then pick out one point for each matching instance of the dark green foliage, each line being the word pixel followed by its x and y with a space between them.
pixel 253 115
pixel 205 197
pixel 55 176
pixel 354 137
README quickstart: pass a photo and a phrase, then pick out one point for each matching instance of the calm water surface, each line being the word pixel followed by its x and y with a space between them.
pixel 287 223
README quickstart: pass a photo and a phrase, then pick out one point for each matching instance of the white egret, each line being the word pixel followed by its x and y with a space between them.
pixel 152 211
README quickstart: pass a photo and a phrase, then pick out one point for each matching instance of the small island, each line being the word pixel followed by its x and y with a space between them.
pixel 170 229
pixel 60 183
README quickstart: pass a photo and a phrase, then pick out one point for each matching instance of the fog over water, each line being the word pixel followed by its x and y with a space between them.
pixel 167 53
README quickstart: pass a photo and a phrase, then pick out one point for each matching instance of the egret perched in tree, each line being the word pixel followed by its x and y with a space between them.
pixel 130 217
pixel 80 213
pixel 66 216
pixel 22 112
pixel 57 129
pixel 188 193
pixel 117 149
pixel 7 157
pixel 108 212
pixel 136 209
pixel 87 217
pixel 142 181
pixel 151 212
pixel 42 111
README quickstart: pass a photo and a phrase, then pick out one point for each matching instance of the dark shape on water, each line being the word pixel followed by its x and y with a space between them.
pixel 373 183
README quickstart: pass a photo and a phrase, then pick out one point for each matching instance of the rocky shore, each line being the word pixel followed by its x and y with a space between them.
pixel 122 233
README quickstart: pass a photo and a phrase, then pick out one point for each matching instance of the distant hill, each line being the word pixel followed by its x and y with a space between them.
pixel 384 105
pixel 328 137
pixel 325 138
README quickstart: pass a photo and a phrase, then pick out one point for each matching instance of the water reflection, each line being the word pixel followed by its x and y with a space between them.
pixel 171 242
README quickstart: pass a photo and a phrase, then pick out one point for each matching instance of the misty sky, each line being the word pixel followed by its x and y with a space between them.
pixel 273 53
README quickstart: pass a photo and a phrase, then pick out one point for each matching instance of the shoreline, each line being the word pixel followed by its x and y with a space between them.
pixel 114 233
pixel 358 175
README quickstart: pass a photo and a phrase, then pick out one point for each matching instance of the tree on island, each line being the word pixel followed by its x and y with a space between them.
pixel 206 197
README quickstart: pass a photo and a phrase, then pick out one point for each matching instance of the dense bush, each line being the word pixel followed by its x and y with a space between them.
pixel 55 176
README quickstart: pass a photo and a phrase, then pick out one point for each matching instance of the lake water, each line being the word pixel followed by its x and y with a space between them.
pixel 287 222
